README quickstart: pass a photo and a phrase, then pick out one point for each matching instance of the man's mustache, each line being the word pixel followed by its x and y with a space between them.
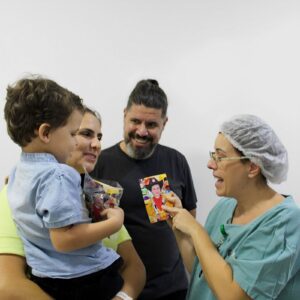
pixel 137 136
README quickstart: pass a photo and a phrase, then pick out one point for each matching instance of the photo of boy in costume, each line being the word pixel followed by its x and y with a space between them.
pixel 154 190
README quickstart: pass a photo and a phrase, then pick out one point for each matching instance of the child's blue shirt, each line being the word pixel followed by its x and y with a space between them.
pixel 45 194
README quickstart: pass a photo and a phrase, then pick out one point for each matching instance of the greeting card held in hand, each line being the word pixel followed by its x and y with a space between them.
pixel 100 195
pixel 154 190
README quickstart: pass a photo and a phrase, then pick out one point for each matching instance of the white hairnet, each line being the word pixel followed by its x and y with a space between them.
pixel 257 140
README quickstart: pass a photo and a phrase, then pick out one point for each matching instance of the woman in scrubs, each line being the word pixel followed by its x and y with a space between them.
pixel 249 247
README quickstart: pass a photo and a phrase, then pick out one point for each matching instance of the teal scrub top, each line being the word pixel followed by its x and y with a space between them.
pixel 264 255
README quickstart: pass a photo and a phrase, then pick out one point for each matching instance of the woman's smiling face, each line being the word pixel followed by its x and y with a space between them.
pixel 88 144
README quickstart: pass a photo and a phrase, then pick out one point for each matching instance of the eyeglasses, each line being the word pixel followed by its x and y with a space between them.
pixel 214 156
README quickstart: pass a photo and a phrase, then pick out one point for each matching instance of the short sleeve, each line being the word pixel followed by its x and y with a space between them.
pixel 10 242
pixel 267 259
pixel 59 199
pixel 117 238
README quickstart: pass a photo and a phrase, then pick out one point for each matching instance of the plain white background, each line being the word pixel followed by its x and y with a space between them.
pixel 213 58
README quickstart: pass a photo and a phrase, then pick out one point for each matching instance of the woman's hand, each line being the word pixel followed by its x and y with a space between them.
pixel 182 220
pixel 173 199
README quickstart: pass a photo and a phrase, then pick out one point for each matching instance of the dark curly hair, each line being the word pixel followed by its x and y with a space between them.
pixel 33 101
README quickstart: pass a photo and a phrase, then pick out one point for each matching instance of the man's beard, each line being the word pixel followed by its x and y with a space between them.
pixel 139 152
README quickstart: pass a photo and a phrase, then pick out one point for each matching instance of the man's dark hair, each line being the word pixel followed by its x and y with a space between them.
pixel 148 93
pixel 33 101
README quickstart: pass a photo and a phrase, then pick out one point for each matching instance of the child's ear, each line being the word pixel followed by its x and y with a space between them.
pixel 43 132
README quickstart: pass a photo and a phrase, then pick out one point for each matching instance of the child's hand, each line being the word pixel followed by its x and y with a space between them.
pixel 116 214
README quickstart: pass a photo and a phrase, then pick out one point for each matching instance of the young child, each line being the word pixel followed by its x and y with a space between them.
pixel 62 246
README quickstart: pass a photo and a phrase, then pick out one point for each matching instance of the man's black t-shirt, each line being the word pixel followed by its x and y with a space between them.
pixel 155 243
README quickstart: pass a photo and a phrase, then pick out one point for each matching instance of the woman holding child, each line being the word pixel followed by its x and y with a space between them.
pixel 86 153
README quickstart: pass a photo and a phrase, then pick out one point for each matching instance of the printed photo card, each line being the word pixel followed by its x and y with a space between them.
pixel 154 190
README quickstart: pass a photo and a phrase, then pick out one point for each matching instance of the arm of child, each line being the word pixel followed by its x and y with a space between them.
pixel 79 236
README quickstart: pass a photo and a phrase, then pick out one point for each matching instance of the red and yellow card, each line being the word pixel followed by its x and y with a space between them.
pixel 154 190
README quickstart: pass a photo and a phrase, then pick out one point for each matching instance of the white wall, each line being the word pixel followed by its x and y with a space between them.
pixel 214 58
